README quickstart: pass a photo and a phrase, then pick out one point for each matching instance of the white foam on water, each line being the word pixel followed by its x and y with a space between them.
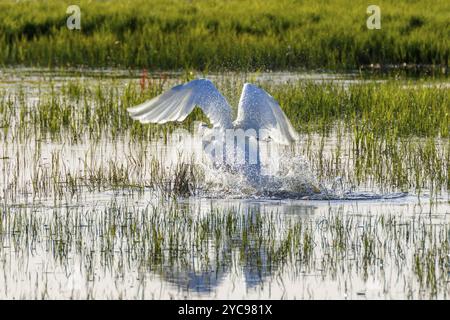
pixel 284 175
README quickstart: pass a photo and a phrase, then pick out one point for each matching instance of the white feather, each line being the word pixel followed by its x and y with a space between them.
pixel 257 109
pixel 177 103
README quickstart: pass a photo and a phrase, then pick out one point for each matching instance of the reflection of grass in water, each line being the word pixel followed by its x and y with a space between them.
pixel 224 35
pixel 173 240
pixel 387 134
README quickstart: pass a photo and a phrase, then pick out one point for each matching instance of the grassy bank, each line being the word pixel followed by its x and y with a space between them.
pixel 218 35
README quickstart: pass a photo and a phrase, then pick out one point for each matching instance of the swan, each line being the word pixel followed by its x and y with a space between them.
pixel 259 117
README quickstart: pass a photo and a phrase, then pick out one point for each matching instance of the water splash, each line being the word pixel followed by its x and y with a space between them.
pixel 284 175
pixel 293 180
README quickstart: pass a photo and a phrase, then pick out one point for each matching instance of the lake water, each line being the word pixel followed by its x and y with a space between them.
pixel 98 219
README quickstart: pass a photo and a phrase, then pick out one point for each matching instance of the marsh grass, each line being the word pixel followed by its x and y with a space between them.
pixel 90 206
pixel 389 109
pixel 391 135
pixel 176 241
pixel 225 35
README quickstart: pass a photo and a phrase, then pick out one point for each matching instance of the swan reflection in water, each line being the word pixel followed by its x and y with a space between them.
pixel 241 252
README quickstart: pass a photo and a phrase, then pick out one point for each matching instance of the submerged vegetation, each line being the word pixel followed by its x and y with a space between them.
pixel 225 35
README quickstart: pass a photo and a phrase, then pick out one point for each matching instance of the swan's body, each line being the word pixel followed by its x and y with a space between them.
pixel 257 111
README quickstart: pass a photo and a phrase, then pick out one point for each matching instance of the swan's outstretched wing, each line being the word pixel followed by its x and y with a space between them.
pixel 258 110
pixel 178 102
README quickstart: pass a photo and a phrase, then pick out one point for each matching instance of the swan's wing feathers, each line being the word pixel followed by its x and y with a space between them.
pixel 259 110
pixel 178 102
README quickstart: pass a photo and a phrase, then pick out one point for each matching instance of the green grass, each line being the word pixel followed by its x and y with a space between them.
pixel 87 191
pixel 224 35
pixel 175 241
pixel 391 135
pixel 391 109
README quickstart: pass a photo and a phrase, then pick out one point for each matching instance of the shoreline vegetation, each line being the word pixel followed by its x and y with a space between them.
pixel 227 35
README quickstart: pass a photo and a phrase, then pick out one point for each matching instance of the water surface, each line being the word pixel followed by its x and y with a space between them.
pixel 97 218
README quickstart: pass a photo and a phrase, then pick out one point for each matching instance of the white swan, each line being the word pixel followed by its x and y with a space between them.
pixel 257 111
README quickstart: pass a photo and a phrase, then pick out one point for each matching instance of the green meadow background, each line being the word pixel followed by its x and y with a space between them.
pixel 224 34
